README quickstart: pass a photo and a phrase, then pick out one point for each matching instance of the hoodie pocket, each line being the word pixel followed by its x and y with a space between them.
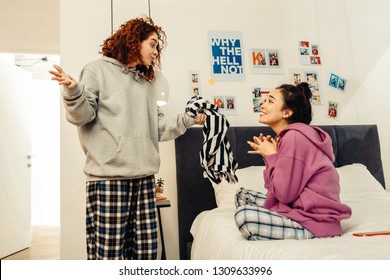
pixel 133 152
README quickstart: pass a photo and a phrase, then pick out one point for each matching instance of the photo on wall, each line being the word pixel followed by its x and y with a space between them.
pixel 312 78
pixel 332 109
pixel 219 101
pixel 230 105
pixel 226 56
pixel 342 84
pixel 297 76
pixel 194 77
pixel 259 59
pixel 333 80
pixel 266 61
pixel 227 105
pixel 337 82
pixel 258 96
pixel 309 53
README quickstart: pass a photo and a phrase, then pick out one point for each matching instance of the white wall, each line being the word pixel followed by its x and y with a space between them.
pixel 369 24
pixel 30 26
pixel 341 27
pixel 82 32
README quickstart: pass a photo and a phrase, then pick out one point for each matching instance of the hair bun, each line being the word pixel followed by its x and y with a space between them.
pixel 305 89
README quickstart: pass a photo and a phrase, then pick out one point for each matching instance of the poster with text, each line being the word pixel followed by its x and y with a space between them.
pixel 226 56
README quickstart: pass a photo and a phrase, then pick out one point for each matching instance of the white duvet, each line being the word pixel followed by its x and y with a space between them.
pixel 217 237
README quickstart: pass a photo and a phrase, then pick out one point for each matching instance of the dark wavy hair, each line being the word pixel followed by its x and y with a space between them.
pixel 297 98
pixel 125 44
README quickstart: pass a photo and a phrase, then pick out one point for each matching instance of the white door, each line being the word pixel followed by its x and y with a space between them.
pixel 15 149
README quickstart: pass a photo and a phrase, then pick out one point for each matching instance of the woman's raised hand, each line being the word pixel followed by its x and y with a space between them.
pixel 61 77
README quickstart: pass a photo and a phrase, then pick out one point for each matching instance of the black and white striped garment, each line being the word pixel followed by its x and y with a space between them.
pixel 216 156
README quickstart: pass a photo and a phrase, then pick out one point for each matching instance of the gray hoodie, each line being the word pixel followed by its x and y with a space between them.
pixel 119 122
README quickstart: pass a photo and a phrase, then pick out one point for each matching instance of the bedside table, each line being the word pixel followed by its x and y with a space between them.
pixel 161 204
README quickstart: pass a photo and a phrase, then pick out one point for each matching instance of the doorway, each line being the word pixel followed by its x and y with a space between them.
pixel 45 134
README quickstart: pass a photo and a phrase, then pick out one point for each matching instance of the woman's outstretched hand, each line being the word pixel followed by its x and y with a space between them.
pixel 61 77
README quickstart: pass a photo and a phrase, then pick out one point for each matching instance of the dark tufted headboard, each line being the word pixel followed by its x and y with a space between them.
pixel 351 144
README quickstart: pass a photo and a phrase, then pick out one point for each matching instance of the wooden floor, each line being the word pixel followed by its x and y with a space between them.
pixel 45 245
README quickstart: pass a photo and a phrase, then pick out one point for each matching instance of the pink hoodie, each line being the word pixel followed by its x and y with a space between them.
pixel 302 182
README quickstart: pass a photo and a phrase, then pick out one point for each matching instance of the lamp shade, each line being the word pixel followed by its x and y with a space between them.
pixel 161 88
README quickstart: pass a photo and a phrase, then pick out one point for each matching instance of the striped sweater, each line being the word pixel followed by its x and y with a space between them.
pixel 216 156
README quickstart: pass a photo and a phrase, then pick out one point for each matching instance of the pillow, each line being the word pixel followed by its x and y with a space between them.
pixel 355 178
pixel 250 178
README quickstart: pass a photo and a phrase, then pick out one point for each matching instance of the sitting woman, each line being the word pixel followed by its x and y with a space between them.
pixel 302 199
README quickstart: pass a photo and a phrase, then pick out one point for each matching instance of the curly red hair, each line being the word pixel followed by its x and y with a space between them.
pixel 124 45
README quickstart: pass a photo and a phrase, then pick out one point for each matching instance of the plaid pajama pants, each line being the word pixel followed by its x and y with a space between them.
pixel 257 223
pixel 121 220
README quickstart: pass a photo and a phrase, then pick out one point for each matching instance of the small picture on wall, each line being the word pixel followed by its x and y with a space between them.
pixel 256 105
pixel 227 104
pixel 296 76
pixel 230 103
pixel 304 51
pixel 316 99
pixel 273 58
pixel 304 44
pixel 311 77
pixel 333 80
pixel 342 84
pixel 332 109
pixel 315 60
pixel 195 77
pixel 256 93
pixel 309 53
pixel 258 96
pixel 266 61
pixel 219 101
pixel 314 50
pixel 195 83
pixel 337 82
pixel 259 58
pixel 195 91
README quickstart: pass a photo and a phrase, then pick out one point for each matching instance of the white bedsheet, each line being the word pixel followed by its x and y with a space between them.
pixel 217 237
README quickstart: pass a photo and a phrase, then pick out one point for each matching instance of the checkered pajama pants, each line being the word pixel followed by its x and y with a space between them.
pixel 257 223
pixel 121 220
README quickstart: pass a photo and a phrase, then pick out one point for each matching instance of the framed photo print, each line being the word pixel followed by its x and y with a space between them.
pixel 333 80
pixel 332 109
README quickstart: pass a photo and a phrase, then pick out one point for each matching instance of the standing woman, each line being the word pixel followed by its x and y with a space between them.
pixel 303 191
pixel 114 107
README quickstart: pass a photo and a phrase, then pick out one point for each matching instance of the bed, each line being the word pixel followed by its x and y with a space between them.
pixel 206 211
